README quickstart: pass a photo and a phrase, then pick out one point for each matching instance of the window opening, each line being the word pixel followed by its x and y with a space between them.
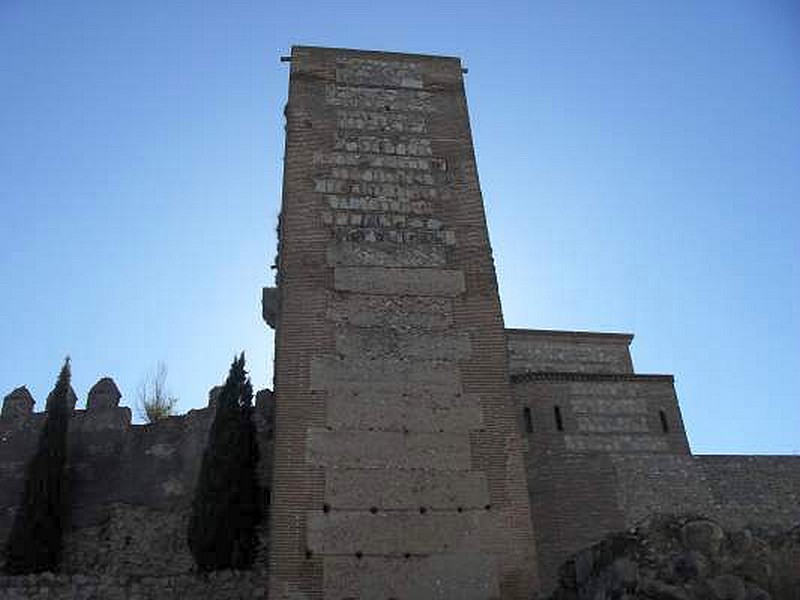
pixel 559 421
pixel 526 413
pixel 664 423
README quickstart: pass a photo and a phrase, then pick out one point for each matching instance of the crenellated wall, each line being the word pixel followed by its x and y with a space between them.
pixel 131 486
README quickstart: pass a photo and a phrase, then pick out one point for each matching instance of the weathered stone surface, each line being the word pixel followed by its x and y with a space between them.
pixel 388 450
pixel 400 281
pixel 568 352
pixel 727 587
pixel 462 577
pixel 702 535
pixel 418 410
pixel 222 585
pixel 386 344
pixel 332 373
pixel 102 419
pixel 394 534
pixel 612 423
pixel 394 312
pixel 18 404
pixel 270 307
pixel 683 558
pixel 384 254
pixel 615 443
pixel 104 394
pixel 398 489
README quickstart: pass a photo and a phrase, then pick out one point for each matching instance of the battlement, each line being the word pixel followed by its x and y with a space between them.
pixel 131 485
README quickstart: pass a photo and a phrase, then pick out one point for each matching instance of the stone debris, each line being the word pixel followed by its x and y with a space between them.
pixel 685 558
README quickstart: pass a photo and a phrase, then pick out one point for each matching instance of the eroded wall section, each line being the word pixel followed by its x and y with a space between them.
pixel 398 466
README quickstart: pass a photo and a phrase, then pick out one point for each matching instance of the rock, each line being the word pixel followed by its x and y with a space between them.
pixel 757 570
pixel 689 565
pixel 702 535
pixel 753 592
pixel 627 572
pixel 741 541
pixel 727 587
pixel 658 590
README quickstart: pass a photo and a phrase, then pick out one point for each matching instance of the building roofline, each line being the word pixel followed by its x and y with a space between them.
pixel 375 52
pixel 596 336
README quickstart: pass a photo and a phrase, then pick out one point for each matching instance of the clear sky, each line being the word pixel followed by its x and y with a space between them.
pixel 640 164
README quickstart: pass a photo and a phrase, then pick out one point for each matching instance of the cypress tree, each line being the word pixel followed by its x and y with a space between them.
pixel 34 544
pixel 225 508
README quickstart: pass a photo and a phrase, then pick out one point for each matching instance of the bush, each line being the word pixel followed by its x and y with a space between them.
pixel 225 509
pixel 34 544
pixel 153 400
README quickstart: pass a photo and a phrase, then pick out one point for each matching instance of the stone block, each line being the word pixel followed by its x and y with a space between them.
pixel 400 281
pixel 401 312
pixel 400 489
pixel 397 533
pixel 385 254
pixel 388 450
pixel 418 410
pixel 460 577
pixel 330 373
pixel 104 394
pixel 18 404
pixel 387 344
pixel 270 306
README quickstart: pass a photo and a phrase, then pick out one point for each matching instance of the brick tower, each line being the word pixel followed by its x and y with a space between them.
pixel 398 464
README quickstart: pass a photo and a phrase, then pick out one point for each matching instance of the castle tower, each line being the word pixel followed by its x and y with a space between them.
pixel 398 467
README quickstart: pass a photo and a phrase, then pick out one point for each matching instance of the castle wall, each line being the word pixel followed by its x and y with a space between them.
pixel 390 375
pixel 616 453
pixel 222 585
pixel 737 491
pixel 130 486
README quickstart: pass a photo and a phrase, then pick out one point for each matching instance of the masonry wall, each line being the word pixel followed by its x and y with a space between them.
pixel 131 486
pixel 606 449
pixel 547 351
pixel 398 465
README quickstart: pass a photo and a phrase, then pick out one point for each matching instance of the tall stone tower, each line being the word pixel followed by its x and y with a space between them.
pixel 398 467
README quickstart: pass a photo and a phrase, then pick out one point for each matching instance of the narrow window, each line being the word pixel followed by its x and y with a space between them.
pixel 664 423
pixel 559 422
pixel 526 413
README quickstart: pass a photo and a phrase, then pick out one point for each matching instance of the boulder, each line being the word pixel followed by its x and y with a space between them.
pixel 702 535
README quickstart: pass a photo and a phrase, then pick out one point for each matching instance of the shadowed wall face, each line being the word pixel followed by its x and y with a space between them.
pixel 398 466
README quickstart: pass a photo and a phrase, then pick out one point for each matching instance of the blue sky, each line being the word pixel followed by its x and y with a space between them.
pixel 640 163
